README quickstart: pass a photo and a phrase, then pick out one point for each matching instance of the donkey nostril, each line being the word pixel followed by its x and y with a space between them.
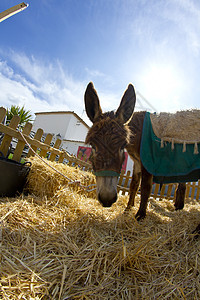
pixel 107 201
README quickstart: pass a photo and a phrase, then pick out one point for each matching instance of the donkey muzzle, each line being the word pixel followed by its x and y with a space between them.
pixel 107 190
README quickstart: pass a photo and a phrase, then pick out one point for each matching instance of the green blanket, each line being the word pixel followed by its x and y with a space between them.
pixel 167 165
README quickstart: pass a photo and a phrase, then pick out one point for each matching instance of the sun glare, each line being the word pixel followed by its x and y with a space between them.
pixel 162 84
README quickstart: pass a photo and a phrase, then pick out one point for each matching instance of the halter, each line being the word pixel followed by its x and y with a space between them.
pixel 107 173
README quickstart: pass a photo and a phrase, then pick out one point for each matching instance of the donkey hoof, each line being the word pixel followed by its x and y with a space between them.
pixel 178 207
pixel 140 216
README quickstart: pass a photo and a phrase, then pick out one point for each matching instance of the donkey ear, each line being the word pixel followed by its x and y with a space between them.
pixel 92 105
pixel 127 105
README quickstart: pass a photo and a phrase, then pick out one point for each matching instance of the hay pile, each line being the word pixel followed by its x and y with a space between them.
pixel 181 126
pixel 45 181
pixel 64 245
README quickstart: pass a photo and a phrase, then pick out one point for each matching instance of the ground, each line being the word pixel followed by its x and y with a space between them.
pixel 67 246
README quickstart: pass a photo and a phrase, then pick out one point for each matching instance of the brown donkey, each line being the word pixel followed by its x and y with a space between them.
pixel 110 134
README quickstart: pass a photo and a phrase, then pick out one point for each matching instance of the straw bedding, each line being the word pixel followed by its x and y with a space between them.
pixel 57 242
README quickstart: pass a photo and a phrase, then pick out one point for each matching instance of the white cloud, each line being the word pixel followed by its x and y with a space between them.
pixel 16 93
pixel 47 87
pixel 37 86
pixel 185 14
pixel 94 73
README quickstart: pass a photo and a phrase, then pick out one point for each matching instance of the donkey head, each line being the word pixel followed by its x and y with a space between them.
pixel 108 137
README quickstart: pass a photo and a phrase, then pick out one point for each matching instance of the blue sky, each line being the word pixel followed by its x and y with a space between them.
pixel 51 50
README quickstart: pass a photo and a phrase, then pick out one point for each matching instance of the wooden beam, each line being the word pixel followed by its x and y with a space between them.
pixel 12 11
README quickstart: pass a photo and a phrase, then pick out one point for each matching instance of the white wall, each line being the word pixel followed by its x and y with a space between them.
pixel 76 130
pixel 71 146
pixel 52 123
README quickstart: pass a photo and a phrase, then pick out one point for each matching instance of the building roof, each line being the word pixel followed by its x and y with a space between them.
pixel 63 112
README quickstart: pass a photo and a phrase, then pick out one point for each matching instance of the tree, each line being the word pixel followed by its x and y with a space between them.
pixel 25 115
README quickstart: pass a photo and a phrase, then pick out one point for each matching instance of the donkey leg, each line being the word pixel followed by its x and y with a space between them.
pixel 180 196
pixel 135 181
pixel 146 186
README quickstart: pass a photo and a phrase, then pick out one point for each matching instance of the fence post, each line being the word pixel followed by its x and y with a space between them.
pixel 162 192
pixel 47 141
pixel 126 181
pixel 120 180
pixel 61 157
pixel 169 190
pixel 20 145
pixel 193 185
pixel 157 186
pixel 198 190
pixel 187 190
pixel 56 146
pixel 37 137
pixel 2 114
pixel 4 147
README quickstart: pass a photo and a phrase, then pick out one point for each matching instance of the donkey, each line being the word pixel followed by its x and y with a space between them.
pixel 110 134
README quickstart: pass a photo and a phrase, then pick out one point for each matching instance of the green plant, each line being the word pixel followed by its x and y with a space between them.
pixel 25 115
